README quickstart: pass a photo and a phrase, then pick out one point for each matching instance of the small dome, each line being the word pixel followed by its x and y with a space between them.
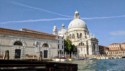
pixel 77 22
pixel 63 30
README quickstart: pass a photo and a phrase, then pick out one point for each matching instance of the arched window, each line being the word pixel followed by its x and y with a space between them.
pixel 45 45
pixel 80 35
pixel 18 43
pixel 81 44
pixel 77 35
pixel 73 36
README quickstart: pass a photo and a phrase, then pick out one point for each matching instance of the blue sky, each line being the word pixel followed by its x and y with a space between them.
pixel 104 18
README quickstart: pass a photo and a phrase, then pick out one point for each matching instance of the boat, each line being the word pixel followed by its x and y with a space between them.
pixel 59 59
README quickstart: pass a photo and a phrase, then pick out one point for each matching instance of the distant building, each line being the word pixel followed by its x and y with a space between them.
pixel 123 46
pixel 116 49
pixel 79 35
pixel 103 50
pixel 29 44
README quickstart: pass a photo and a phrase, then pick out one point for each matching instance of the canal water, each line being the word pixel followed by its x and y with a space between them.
pixel 100 65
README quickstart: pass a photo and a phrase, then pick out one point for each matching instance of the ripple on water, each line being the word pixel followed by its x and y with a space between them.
pixel 101 65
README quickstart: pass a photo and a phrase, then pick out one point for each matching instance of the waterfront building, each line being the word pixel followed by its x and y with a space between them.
pixel 103 50
pixel 123 46
pixel 29 44
pixel 79 35
pixel 116 49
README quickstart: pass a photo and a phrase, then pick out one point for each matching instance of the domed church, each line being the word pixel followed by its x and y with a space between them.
pixel 79 35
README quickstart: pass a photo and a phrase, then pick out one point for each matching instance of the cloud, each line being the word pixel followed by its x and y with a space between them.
pixel 36 20
pixel 118 33
pixel 51 12
pixel 109 17
pixel 58 19
pixel 65 17
pixel 40 9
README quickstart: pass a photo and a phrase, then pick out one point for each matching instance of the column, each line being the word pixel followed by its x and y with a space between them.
pixel 90 50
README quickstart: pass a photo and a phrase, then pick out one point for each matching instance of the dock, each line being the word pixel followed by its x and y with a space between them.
pixel 33 65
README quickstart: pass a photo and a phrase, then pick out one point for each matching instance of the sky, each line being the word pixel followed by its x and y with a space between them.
pixel 105 19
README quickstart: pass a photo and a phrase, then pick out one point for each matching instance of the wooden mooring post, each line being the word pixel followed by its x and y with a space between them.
pixel 27 65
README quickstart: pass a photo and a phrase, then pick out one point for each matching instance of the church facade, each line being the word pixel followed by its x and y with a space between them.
pixel 79 35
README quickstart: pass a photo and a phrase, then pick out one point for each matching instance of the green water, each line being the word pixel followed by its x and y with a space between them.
pixel 100 65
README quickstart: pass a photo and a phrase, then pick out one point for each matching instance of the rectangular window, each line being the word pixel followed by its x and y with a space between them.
pixel 58 46
pixel 62 46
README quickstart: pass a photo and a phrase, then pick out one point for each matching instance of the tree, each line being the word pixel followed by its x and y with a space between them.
pixel 69 47
pixel 74 49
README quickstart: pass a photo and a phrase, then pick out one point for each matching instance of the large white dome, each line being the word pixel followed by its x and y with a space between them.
pixel 77 22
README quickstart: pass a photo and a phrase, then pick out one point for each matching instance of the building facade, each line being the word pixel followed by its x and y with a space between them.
pixel 116 49
pixel 28 44
pixel 79 35
pixel 103 50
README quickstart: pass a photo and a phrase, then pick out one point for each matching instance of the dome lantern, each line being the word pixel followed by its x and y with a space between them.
pixel 76 15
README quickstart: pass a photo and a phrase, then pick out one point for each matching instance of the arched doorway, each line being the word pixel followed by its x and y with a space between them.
pixel 45 52
pixel 18 51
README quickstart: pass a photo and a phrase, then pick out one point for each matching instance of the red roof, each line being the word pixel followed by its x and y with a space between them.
pixel 27 33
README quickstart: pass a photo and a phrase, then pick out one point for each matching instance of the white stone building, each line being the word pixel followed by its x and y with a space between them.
pixel 28 44
pixel 60 40
pixel 79 34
